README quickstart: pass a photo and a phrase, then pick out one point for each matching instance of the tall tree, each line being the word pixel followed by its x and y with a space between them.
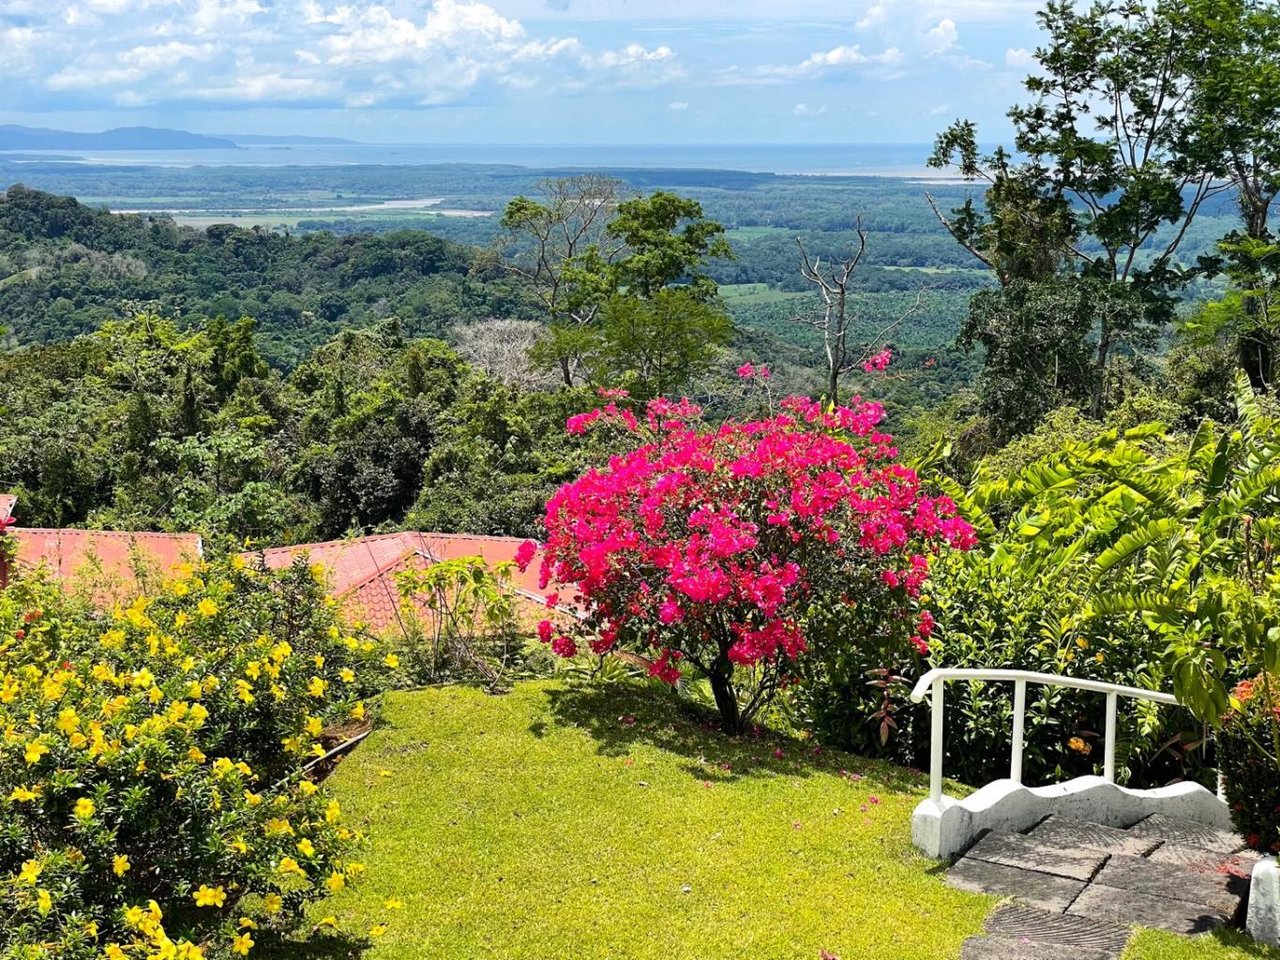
pixel 1102 186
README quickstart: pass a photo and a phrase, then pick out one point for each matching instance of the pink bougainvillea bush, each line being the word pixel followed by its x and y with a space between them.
pixel 731 550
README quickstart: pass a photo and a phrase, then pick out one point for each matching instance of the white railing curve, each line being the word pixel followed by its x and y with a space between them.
pixel 936 679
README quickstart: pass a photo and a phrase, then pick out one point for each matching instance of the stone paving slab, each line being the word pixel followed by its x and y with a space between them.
pixel 1175 830
pixel 1020 922
pixel 1219 892
pixel 1201 860
pixel 1130 908
pixel 1070 833
pixel 1042 890
pixel 1024 948
pixel 1028 853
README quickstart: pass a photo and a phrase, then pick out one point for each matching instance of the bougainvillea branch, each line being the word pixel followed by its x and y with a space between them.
pixel 717 548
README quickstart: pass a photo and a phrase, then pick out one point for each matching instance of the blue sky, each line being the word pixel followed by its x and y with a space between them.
pixel 531 71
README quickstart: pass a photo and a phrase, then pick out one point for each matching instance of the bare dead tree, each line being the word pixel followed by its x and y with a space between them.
pixel 836 323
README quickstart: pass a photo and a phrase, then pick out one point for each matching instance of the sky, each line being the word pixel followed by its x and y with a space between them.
pixel 520 71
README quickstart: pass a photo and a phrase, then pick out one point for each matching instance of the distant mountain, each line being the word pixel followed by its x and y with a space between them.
pixel 13 137
pixel 248 139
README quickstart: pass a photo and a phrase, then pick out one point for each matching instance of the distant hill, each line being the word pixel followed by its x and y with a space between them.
pixel 14 137
pixel 253 139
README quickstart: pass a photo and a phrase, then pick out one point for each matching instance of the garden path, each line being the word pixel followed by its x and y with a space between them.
pixel 1081 887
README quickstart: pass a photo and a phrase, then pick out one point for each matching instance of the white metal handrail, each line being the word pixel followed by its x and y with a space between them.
pixel 936 679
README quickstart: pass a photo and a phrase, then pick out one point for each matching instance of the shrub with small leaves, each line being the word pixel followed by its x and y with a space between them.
pixel 155 799
pixel 1248 745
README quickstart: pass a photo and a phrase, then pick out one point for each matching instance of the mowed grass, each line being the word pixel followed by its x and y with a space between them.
pixel 1222 945
pixel 605 822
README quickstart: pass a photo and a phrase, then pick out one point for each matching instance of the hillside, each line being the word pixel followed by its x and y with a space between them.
pixel 15 137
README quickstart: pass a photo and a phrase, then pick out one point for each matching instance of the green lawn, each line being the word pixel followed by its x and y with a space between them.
pixel 546 824
pixel 559 822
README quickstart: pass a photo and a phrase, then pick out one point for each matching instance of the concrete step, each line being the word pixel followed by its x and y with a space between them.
pixel 1086 835
pixel 1020 922
pixel 1021 948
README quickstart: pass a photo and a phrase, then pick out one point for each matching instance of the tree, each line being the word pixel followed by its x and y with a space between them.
pixel 656 345
pixel 546 241
pixel 836 323
pixel 1104 186
pixel 731 551
pixel 1234 130
pixel 581 265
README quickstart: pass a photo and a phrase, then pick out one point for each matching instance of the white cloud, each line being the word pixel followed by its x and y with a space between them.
pixel 940 109
pixel 1019 57
pixel 804 110
pixel 941 37
pixel 876 14
pixel 679 106
pixel 816 64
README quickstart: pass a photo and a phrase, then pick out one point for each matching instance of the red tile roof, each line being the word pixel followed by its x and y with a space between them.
pixel 107 562
pixel 362 571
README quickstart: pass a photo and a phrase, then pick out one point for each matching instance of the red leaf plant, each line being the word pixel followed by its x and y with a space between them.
pixel 730 550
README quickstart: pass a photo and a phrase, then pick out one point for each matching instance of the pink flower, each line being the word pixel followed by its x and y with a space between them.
pixel 525 554
pixel 747 371
pixel 545 629
pixel 879 361
pixel 552 601
pixel 563 646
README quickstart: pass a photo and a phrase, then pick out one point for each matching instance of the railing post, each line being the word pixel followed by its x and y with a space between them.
pixel 1109 745
pixel 935 747
pixel 1019 717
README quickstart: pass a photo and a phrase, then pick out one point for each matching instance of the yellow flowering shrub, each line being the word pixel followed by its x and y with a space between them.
pixel 153 796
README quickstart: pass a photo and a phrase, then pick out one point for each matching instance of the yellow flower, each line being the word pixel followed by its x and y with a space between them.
pixel 133 916
pixel 377 930
pixel 120 864
pixel 207 608
pixel 332 811
pixel 196 754
pixel 1079 746
pixel 209 896
pixel 44 902
pixel 392 661
pixel 35 750
pixel 84 808
pixel 316 687
pixel 290 865
pixel 68 721
pixel 347 675
pixel 335 882
pixel 22 795
pixel 272 903
pixel 330 921
pixel 306 847
pixel 307 788
pixel 318 660
pixel 391 903
pixel 91 928
pixel 113 952
pixel 242 944
pixel 180 619
pixel 30 872
pixel 314 726
pixel 357 712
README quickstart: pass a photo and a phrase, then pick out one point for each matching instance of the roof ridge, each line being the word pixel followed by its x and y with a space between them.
pixel 79 531
pixel 381 571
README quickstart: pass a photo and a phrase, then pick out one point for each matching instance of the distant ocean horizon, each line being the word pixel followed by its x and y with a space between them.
pixel 848 159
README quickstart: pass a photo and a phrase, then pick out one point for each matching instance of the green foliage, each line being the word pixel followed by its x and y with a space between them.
pixel 472 628
pixel 153 771
pixel 1250 733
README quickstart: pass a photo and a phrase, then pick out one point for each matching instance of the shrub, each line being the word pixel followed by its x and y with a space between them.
pixel 153 796
pixel 1248 748
pixel 733 550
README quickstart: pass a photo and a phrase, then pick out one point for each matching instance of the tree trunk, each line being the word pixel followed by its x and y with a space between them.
pixel 726 699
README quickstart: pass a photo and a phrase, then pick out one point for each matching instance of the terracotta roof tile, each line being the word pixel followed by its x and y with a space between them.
pixel 106 560
pixel 362 571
